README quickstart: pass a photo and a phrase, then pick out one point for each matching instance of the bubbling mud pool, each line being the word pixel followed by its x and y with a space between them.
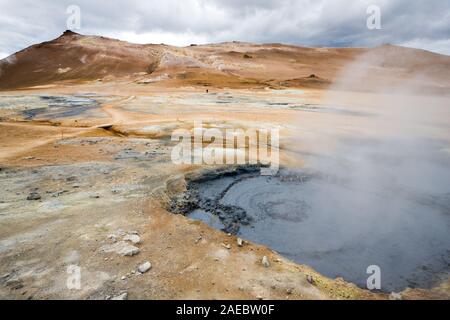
pixel 308 218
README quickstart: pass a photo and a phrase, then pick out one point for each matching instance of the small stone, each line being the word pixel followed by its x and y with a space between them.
pixel 259 297
pixel 123 278
pixel 226 245
pixel 6 275
pixel 34 196
pixel 310 278
pixel 240 243
pixel 122 296
pixel 265 262
pixel 143 268
pixel 122 248
pixel 14 284
pixel 289 291
pixel 395 296
pixel 134 238
pixel 129 251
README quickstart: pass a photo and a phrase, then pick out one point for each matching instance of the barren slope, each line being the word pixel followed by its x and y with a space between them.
pixel 77 58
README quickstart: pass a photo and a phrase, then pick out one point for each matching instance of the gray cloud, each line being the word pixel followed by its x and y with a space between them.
pixel 420 23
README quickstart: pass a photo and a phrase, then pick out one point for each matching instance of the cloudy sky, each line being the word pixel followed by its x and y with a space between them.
pixel 419 23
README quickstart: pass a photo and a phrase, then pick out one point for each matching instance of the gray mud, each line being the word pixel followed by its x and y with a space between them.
pixel 406 237
pixel 62 107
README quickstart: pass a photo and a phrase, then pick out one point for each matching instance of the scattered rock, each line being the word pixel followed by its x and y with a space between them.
pixel 395 296
pixel 289 291
pixel 198 239
pixel 226 245
pixel 14 283
pixel 122 248
pixel 112 237
pixel 122 296
pixel 34 196
pixel 6 275
pixel 240 243
pixel 310 279
pixel 265 262
pixel 143 268
pixel 58 193
pixel 134 238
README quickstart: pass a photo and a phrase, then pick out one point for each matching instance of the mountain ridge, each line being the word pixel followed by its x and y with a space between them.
pixel 74 57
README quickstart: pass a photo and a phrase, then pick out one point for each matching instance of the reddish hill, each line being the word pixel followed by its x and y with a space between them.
pixel 75 57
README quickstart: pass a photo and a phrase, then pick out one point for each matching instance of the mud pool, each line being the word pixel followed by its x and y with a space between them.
pixel 308 218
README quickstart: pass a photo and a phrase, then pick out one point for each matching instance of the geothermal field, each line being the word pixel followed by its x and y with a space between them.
pixel 357 177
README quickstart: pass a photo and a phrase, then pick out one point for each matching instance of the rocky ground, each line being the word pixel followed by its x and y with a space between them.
pixel 93 192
